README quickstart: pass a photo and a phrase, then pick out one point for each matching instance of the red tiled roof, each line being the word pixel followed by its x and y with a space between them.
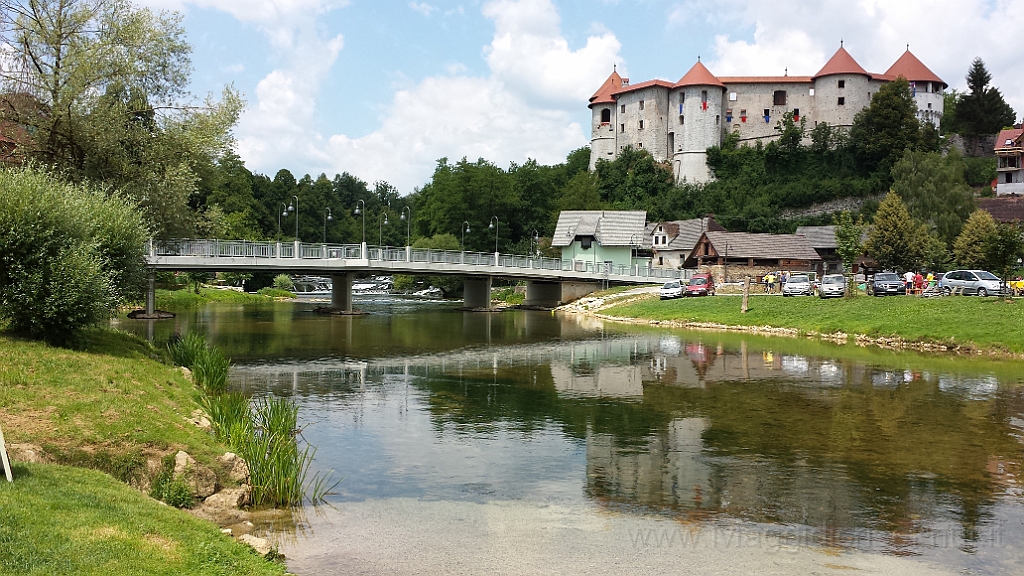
pixel 841 63
pixel 699 75
pixel 642 85
pixel 604 93
pixel 913 69
pixel 766 79
pixel 1012 134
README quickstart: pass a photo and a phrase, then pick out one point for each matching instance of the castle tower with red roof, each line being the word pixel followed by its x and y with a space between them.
pixel 677 122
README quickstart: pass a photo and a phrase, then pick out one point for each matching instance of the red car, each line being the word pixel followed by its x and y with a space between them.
pixel 701 285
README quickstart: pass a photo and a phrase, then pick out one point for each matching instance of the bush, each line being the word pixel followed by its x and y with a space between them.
pixel 209 366
pixel 167 488
pixel 283 282
pixel 69 255
pixel 275 293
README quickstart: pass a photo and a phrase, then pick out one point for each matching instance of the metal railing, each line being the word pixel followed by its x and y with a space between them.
pixel 310 251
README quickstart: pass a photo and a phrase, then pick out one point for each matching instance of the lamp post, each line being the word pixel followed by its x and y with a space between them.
pixel 408 226
pixel 363 212
pixel 536 243
pixel 327 216
pixel 494 226
pixel 381 221
pixel 295 208
pixel 284 212
pixel 465 228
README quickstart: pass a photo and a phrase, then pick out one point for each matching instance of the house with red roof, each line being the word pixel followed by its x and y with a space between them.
pixel 1009 174
pixel 678 121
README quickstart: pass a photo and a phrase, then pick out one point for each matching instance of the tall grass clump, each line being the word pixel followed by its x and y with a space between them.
pixel 184 351
pixel 208 364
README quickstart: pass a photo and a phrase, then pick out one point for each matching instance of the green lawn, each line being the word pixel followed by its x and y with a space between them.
pixel 63 520
pixel 106 406
pixel 186 297
pixel 988 323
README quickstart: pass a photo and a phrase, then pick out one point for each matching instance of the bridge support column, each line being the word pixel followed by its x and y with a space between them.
pixel 477 292
pixel 151 294
pixel 341 291
pixel 543 294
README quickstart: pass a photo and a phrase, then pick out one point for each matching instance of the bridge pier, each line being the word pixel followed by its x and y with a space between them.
pixel 548 294
pixel 341 291
pixel 151 293
pixel 476 293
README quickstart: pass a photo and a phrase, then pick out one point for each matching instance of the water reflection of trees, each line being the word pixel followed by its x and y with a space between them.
pixel 740 429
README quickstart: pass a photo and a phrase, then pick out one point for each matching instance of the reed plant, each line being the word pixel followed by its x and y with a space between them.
pixel 208 364
pixel 184 351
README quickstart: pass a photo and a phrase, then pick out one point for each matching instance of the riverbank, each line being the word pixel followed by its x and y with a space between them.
pixel 187 298
pixel 112 407
pixel 965 325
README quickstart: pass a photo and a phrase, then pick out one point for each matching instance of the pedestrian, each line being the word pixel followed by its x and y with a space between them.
pixel 918 283
pixel 908 281
pixel 783 278
pixel 770 279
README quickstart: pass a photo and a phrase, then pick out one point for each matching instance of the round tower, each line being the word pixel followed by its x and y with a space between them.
pixel 926 86
pixel 696 101
pixel 603 116
pixel 841 89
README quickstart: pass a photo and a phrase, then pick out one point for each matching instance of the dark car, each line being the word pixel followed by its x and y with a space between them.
pixel 701 285
pixel 885 283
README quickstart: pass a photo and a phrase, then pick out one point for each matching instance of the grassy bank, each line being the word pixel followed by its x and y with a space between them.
pixel 987 323
pixel 105 406
pixel 63 520
pixel 187 298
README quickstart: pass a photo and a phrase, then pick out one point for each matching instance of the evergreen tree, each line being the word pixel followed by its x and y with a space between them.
pixel 896 241
pixel 969 249
pixel 982 110
pixel 933 188
pixel 849 242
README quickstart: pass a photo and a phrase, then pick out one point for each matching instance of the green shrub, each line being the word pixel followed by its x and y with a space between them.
pixel 184 351
pixel 210 371
pixel 283 282
pixel 275 293
pixel 174 491
pixel 69 255
pixel 980 171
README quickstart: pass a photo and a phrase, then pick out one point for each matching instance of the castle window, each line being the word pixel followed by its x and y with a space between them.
pixel 606 116
pixel 641 104
pixel 717 119
pixel 682 98
pixel 622 109
pixel 929 105
pixel 780 97
pixel 732 96
pixel 743 115
pixel 682 119
pixel 796 114
pixel 842 83
pixel 842 101
pixel 767 112
pixel 703 95
pixel 622 127
pixel 810 92
pixel 641 124
pixel 640 145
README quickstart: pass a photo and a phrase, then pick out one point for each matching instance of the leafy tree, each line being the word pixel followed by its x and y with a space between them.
pixel 895 241
pixel 948 125
pixel 888 127
pixel 1004 250
pixel 69 255
pixel 849 241
pixel 100 86
pixel 633 180
pixel 970 247
pixel 580 193
pixel 982 110
pixel 933 188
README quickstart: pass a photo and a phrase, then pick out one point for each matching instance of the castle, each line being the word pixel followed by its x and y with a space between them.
pixel 678 122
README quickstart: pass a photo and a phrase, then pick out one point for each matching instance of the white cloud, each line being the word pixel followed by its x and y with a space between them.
pixel 944 34
pixel 422 8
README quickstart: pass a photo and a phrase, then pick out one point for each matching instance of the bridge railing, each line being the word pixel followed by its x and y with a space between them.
pixel 250 249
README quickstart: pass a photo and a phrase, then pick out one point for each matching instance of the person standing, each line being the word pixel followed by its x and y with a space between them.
pixel 918 283
pixel 908 281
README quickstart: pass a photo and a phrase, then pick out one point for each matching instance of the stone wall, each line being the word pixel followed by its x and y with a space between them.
pixel 737 272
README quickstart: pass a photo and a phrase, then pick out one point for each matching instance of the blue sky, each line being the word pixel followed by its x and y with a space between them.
pixel 382 89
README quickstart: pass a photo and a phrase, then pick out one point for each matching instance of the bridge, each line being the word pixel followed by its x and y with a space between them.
pixel 549 281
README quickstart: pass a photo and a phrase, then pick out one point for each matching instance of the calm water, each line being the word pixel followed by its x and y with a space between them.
pixel 423 408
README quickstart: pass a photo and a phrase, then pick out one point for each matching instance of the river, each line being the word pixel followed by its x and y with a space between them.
pixel 528 442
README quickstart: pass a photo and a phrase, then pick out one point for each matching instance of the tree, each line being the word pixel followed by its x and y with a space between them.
pixel 970 246
pixel 934 190
pixel 101 87
pixel 849 242
pixel 69 255
pixel 982 110
pixel 1005 249
pixel 884 130
pixel 896 241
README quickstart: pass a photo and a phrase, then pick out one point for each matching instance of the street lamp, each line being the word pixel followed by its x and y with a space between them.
pixel 408 226
pixel 284 212
pixel 295 208
pixel 327 216
pixel 381 221
pixel 536 243
pixel 464 230
pixel 363 212
pixel 494 226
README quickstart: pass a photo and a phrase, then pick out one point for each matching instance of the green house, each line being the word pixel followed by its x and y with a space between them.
pixel 595 239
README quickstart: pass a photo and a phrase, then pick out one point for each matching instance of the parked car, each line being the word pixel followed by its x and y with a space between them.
pixel 885 283
pixel 701 285
pixel 798 285
pixel 977 282
pixel 832 286
pixel 671 289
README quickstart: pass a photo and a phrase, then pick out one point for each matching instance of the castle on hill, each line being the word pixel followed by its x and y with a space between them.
pixel 678 122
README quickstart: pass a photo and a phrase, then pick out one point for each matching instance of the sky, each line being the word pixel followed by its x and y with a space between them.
pixel 382 89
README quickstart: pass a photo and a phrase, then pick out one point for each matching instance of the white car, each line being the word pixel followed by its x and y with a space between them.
pixel 671 289
pixel 980 282
pixel 798 284
pixel 833 285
